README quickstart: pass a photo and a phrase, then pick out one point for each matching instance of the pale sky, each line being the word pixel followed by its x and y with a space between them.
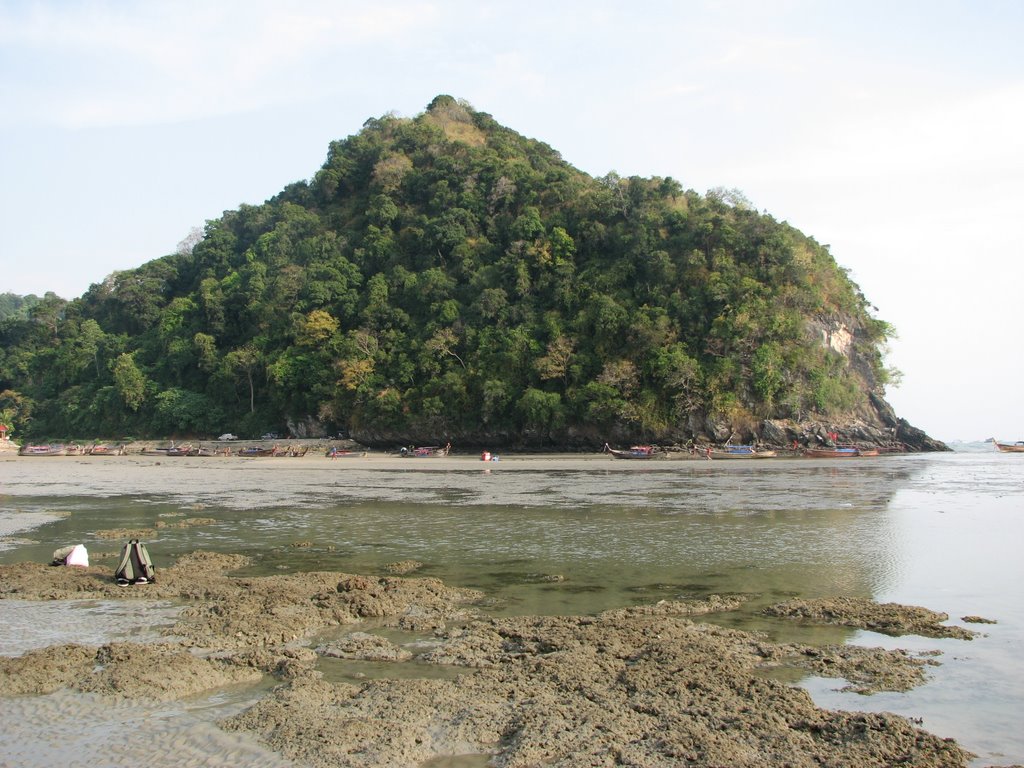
pixel 893 131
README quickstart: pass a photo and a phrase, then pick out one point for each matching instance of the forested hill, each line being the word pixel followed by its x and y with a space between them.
pixel 445 278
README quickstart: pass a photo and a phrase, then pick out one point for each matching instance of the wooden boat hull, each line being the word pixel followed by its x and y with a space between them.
pixel 256 452
pixel 634 452
pixel 742 455
pixel 831 453
pixel 1010 447
pixel 42 450
pixel 629 454
pixel 106 450
pixel 426 452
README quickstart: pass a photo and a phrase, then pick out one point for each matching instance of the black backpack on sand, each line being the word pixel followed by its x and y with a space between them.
pixel 135 566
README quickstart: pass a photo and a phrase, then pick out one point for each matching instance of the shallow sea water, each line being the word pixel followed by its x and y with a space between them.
pixel 576 535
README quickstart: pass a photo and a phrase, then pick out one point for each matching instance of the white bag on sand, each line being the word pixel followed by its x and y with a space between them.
pixel 77 556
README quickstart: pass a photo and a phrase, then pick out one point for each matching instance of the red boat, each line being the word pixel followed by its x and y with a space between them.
pixel 106 450
pixel 426 451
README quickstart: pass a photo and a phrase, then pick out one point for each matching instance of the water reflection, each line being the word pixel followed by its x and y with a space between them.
pixel 575 537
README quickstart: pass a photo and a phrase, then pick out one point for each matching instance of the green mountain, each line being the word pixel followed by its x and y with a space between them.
pixel 445 278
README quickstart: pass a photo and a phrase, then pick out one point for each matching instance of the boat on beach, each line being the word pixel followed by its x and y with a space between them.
pixel 834 452
pixel 55 449
pixel 1017 447
pixel 634 452
pixel 426 451
pixel 102 449
pixel 255 451
pixel 739 452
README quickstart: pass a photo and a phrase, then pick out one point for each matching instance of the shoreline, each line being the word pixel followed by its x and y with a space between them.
pixel 392 460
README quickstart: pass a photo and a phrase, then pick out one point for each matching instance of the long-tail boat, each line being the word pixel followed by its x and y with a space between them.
pixel 426 451
pixel 834 452
pixel 740 452
pixel 633 452
pixel 1017 447
pixel 54 449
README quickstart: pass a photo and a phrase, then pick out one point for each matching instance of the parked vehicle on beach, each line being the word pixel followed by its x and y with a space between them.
pixel 228 436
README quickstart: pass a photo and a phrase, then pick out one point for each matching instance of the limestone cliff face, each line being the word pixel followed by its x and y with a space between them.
pixel 873 422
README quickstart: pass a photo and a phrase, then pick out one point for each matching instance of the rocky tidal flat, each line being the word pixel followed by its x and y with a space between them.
pixel 649 685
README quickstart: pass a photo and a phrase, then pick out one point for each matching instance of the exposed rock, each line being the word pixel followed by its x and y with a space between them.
pixel 565 691
pixel 403 566
pixel 710 604
pixel 366 647
pixel 868 670
pixel 129 670
pixel 887 618
pixel 643 686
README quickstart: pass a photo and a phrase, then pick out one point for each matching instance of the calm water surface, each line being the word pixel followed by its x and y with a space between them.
pixel 575 535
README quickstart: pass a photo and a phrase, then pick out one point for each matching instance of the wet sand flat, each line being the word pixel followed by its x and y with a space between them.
pixel 275 660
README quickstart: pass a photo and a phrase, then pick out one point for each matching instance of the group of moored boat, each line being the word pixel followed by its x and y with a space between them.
pixel 187 449
pixel 729 451
pixel 636 452
pixel 59 449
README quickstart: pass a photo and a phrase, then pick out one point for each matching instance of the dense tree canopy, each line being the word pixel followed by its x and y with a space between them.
pixel 12 305
pixel 445 277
